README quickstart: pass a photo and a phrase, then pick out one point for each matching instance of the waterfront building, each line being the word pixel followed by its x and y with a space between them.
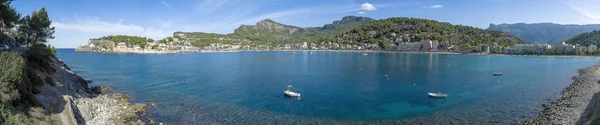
pixel 407 46
pixel 484 48
pixel 434 45
pixel 427 45
pixel 136 47
pixel 528 48
pixel 592 48
pixel 121 45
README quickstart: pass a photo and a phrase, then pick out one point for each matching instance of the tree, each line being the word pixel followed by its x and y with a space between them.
pixel 162 41
pixel 384 43
pixel 150 40
pixel 8 15
pixel 170 39
pixel 36 28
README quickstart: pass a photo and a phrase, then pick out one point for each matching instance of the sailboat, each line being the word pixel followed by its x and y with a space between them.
pixel 289 93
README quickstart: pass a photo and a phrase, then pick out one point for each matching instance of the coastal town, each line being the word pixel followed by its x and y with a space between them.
pixel 185 46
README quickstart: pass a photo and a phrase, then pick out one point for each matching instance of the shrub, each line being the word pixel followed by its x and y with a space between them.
pixel 11 76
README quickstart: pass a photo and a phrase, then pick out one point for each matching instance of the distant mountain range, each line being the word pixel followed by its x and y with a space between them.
pixel 268 31
pixel 544 32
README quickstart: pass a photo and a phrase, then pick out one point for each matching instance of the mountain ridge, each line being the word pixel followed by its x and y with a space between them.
pixel 550 33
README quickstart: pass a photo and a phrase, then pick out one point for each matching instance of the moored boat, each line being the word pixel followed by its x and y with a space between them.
pixel 497 73
pixel 289 93
pixel 438 95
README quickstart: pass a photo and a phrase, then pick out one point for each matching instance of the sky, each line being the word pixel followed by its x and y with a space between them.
pixel 78 20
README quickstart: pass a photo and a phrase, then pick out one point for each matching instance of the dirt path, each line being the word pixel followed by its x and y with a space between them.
pixel 66 116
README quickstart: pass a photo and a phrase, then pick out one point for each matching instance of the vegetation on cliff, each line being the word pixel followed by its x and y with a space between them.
pixel 586 39
pixel 416 30
pixel 129 40
pixel 544 32
pixel 20 70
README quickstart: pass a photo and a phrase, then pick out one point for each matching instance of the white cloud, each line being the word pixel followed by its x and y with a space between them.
pixel 166 4
pixel 367 6
pixel 589 16
pixel 434 6
pixel 361 12
pixel 70 34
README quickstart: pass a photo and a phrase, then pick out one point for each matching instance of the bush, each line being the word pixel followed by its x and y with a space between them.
pixel 12 66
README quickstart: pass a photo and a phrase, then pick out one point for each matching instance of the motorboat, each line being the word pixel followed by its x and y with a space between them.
pixel 365 54
pixel 438 95
pixel 497 73
pixel 291 94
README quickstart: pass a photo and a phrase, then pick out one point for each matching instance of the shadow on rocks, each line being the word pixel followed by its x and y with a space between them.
pixel 591 110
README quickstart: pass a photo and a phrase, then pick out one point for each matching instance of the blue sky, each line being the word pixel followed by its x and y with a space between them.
pixel 78 20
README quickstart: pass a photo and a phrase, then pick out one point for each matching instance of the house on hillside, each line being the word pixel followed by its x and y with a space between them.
pixel 592 48
pixel 434 45
pixel 136 47
pixel 121 45
pixel 484 48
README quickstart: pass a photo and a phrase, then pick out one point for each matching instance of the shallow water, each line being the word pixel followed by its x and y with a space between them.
pixel 336 87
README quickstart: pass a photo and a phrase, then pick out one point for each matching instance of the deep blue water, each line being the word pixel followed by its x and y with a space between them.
pixel 336 87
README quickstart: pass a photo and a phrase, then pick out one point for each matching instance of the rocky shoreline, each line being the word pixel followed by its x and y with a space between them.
pixel 579 103
pixel 90 106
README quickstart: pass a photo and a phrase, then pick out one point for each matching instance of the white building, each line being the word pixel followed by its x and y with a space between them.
pixel 136 47
pixel 592 48
pixel 434 45
pixel 563 47
pixel 534 48
pixel 121 45
pixel 484 48
pixel 427 45
pixel 92 45
pixel 409 46
pixel 304 45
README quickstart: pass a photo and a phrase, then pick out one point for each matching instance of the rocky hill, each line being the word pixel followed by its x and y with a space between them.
pixel 268 31
pixel 544 32
pixel 404 29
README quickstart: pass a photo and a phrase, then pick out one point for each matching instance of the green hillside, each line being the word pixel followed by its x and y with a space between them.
pixel 586 39
pixel 415 29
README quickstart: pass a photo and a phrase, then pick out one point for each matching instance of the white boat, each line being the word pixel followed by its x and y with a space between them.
pixel 439 95
pixel 497 73
pixel 291 94
pixel 365 54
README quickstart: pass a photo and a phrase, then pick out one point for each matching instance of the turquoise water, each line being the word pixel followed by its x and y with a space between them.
pixel 336 87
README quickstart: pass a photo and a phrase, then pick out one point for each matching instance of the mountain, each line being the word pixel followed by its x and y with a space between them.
pixel 586 39
pixel 544 32
pixel 271 31
pixel 405 29
pixel 268 31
